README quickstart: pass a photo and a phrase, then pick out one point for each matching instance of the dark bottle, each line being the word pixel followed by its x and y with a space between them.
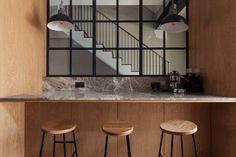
pixel 196 83
pixel 189 80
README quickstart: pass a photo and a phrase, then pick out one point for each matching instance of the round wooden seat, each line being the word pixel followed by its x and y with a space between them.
pixel 58 127
pixel 179 127
pixel 118 128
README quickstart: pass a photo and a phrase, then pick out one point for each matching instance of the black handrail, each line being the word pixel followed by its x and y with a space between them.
pixel 84 12
pixel 126 32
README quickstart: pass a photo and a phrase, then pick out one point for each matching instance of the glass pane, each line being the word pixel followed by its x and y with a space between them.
pixel 152 9
pixel 82 10
pixel 183 12
pixel 59 62
pixel 176 60
pixel 129 35
pixel 176 39
pixel 82 35
pixel 82 62
pixel 128 62
pixel 152 62
pixel 151 36
pixel 106 10
pixel 106 35
pixel 54 6
pixel 129 10
pixel 59 39
pixel 106 62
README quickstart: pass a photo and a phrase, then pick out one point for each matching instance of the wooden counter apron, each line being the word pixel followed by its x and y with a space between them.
pixel 145 116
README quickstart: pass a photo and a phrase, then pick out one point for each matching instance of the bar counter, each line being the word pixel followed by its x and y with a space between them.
pixel 69 95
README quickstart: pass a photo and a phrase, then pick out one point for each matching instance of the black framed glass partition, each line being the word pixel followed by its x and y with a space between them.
pixel 115 38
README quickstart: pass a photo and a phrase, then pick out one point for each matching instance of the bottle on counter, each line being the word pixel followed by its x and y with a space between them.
pixel 197 85
pixel 174 80
pixel 193 81
pixel 189 79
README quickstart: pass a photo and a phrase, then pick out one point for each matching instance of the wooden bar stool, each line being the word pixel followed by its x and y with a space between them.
pixel 57 127
pixel 118 128
pixel 180 128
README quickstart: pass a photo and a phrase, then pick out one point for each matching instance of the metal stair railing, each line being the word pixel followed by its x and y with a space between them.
pixel 106 36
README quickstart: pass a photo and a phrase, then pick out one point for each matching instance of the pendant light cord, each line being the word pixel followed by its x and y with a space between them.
pixel 173 9
pixel 61 5
pixel 61 8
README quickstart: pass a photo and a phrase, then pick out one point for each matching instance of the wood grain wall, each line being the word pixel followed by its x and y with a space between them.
pixel 12 129
pixel 212 44
pixel 90 116
pixel 213 49
pixel 22 49
pixel 22 46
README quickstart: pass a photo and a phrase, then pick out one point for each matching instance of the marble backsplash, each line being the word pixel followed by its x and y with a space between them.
pixel 101 84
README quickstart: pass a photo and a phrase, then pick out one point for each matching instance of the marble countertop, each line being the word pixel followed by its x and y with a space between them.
pixel 66 95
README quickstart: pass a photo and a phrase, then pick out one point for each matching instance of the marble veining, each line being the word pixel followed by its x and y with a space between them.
pixel 110 89
pixel 101 84
pixel 87 95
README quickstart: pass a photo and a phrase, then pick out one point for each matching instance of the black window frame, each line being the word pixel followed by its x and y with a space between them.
pixel 94 21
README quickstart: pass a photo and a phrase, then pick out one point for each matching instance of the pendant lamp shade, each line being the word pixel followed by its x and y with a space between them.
pixel 60 21
pixel 174 23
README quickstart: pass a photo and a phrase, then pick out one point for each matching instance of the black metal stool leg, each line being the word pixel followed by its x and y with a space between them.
pixel 76 153
pixel 195 147
pixel 159 153
pixel 41 148
pixel 64 140
pixel 128 146
pixel 172 143
pixel 54 145
pixel 182 146
pixel 105 153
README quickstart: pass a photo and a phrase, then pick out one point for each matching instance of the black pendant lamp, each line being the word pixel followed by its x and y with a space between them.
pixel 174 23
pixel 60 21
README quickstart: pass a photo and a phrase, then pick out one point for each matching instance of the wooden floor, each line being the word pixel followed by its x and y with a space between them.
pixel 90 116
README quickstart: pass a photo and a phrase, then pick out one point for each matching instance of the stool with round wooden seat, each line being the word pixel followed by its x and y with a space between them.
pixel 118 128
pixel 180 128
pixel 59 127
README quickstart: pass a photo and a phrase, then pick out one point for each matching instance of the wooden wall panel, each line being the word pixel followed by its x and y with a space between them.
pixel 22 62
pixel 199 114
pixel 90 116
pixel 223 130
pixel 35 115
pixel 22 46
pixel 12 129
pixel 146 118
pixel 212 44
pixel 212 48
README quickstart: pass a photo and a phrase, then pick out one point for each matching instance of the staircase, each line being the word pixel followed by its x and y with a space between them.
pixel 106 38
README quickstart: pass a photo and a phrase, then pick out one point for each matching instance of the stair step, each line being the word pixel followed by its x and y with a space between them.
pixel 99 46
pixel 105 56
